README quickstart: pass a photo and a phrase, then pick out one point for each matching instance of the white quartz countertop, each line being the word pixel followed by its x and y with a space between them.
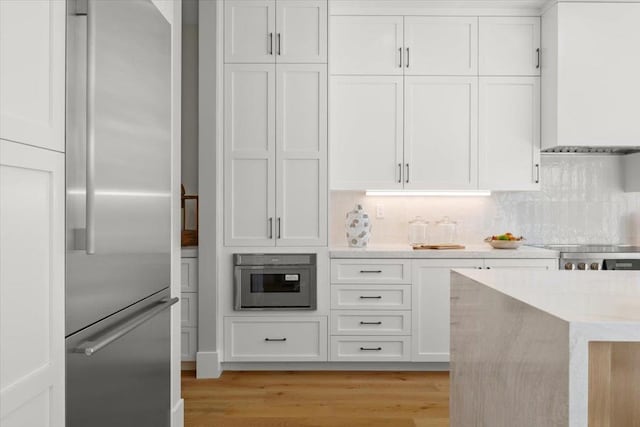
pixel 482 250
pixel 602 297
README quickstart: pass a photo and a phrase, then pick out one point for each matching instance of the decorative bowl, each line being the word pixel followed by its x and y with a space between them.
pixel 505 244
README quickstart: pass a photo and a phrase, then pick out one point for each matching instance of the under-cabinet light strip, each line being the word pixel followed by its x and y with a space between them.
pixel 469 193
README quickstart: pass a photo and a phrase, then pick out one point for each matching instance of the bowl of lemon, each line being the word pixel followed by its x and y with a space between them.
pixel 505 241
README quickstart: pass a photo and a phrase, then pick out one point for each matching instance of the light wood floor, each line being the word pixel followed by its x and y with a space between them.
pixel 317 399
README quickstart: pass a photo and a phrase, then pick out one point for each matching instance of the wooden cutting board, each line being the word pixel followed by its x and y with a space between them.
pixel 444 246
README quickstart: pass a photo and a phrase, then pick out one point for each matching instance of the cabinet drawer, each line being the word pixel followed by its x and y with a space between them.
pixel 270 339
pixel 189 344
pixel 189 275
pixel 370 271
pixel 363 297
pixel 189 310
pixel 370 349
pixel 371 322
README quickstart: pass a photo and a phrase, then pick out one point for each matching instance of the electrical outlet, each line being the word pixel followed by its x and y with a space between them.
pixel 380 211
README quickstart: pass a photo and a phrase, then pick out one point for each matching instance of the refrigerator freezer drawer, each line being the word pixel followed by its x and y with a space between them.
pixel 118 370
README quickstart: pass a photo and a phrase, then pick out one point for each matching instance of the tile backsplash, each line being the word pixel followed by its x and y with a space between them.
pixel 581 201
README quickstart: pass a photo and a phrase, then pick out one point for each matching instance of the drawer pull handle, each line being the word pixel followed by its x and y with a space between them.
pixel 275 339
pixel 370 271
pixel 367 297
pixel 370 348
pixel 371 323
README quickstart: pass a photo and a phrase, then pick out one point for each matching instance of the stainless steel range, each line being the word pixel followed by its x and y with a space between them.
pixel 598 257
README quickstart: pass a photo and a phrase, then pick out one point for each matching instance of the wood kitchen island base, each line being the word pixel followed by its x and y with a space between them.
pixel 614 384
pixel 545 349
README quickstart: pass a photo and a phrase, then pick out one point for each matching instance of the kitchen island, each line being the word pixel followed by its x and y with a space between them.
pixel 545 348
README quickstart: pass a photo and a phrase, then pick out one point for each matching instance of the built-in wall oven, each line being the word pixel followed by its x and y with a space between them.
pixel 275 281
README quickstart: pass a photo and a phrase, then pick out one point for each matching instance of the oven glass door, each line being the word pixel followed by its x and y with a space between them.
pixel 275 287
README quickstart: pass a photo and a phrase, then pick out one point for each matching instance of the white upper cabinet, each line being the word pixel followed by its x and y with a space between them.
pixel 440 137
pixel 440 46
pixel 249 132
pixel 366 132
pixel 249 31
pixel 267 31
pixel 510 133
pixel 509 46
pixel 32 72
pixel 301 153
pixel 590 69
pixel 301 35
pixel 368 45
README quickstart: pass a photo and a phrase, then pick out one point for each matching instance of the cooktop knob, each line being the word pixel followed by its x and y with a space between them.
pixel 569 266
pixel 594 266
pixel 582 266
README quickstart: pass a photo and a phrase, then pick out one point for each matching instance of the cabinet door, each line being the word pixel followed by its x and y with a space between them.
pixel 301 167
pixel 249 133
pixel 441 145
pixel 276 339
pixel 441 45
pixel 509 46
pixel 32 372
pixel 366 45
pixel 430 307
pixel 509 131
pixel 249 31
pixel 366 128
pixel 32 72
pixel 301 31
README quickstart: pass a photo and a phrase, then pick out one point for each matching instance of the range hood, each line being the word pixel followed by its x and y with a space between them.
pixel 592 150
pixel 590 86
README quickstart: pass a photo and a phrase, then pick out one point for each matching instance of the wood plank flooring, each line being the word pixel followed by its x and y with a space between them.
pixel 317 399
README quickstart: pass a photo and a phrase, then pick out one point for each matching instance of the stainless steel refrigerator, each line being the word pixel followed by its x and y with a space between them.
pixel 118 214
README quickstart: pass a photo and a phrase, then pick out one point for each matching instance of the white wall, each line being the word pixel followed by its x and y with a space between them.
pixel 581 201
pixel 190 103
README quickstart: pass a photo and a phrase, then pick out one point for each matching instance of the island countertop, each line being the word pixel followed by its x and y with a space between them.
pixel 574 296
pixel 471 251
pixel 552 348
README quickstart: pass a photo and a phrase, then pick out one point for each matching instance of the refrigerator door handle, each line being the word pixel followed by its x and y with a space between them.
pixel 90 195
pixel 89 348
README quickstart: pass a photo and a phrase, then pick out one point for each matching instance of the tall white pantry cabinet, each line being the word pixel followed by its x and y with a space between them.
pixel 275 123
pixel 32 105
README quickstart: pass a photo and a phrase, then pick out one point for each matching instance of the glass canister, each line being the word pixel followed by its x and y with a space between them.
pixel 444 231
pixel 418 231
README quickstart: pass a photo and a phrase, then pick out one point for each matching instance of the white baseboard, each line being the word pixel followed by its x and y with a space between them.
pixel 335 366
pixel 177 414
pixel 208 364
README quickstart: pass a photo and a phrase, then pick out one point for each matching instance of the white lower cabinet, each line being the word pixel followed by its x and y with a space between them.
pixel 431 307
pixel 529 264
pixel 275 339
pixel 189 304
pixel 430 300
pixel 367 297
pixel 370 310
pixel 370 322
pixel 370 348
